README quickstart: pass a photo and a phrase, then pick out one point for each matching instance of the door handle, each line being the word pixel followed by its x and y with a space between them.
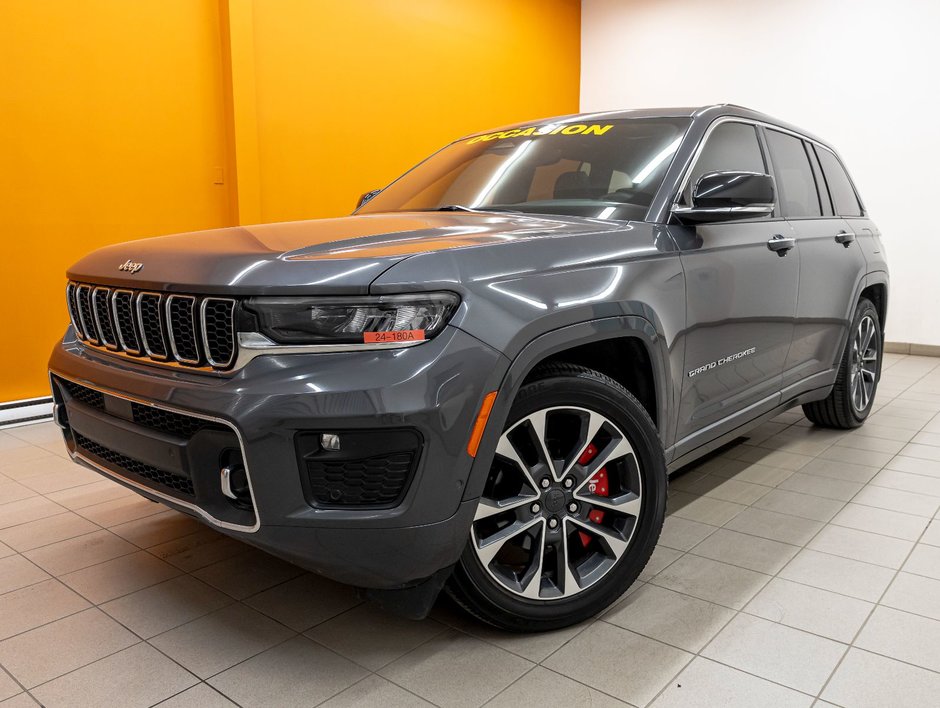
pixel 845 238
pixel 780 244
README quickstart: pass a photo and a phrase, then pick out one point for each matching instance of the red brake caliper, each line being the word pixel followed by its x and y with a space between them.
pixel 596 486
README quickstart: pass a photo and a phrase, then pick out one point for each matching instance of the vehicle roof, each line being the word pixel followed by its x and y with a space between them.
pixel 703 114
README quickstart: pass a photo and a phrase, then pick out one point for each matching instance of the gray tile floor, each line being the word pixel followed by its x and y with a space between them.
pixel 800 566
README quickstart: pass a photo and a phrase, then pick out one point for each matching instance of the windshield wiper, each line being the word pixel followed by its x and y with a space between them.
pixel 451 207
pixel 461 207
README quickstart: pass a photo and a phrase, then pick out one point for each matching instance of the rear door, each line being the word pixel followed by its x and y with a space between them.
pixel 741 301
pixel 831 263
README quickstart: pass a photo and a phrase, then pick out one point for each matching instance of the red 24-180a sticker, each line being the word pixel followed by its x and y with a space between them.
pixel 405 335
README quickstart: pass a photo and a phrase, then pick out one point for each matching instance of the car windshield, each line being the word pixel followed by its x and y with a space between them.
pixel 607 169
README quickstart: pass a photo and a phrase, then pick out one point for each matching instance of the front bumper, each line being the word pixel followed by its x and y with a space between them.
pixel 434 389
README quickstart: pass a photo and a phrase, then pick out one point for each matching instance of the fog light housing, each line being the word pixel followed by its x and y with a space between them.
pixel 372 470
pixel 330 441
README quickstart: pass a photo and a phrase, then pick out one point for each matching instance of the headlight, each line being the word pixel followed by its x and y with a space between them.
pixel 385 319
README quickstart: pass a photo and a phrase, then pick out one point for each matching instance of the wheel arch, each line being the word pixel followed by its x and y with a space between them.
pixel 873 286
pixel 876 290
pixel 593 344
pixel 624 359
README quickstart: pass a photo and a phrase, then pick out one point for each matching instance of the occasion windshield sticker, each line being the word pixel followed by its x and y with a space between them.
pixel 553 129
pixel 405 335
pixel 721 362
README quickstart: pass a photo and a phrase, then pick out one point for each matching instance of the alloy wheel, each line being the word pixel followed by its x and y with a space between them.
pixel 864 363
pixel 560 505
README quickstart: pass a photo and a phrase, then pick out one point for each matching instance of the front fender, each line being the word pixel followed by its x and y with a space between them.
pixel 556 341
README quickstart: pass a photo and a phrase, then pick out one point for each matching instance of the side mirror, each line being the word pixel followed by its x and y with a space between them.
pixel 724 196
pixel 366 197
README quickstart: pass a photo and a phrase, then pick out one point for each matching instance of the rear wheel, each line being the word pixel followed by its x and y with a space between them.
pixel 851 399
pixel 572 507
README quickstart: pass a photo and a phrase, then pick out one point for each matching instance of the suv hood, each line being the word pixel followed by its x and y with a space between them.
pixel 338 256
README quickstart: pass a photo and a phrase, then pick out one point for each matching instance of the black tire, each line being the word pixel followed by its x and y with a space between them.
pixel 554 387
pixel 840 409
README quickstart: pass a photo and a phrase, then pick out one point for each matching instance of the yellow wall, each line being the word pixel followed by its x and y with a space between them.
pixel 352 94
pixel 111 127
pixel 118 118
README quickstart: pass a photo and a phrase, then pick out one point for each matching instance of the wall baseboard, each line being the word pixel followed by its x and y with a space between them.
pixel 915 349
pixel 31 410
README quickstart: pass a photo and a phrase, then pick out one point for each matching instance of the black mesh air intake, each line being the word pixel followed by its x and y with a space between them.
pixel 184 426
pixel 87 396
pixel 135 468
pixel 83 298
pixel 182 326
pixel 372 468
pixel 151 324
pixel 374 481
pixel 124 321
pixel 101 306
pixel 219 330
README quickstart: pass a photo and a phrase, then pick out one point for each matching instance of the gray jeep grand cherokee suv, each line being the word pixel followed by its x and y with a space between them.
pixel 484 376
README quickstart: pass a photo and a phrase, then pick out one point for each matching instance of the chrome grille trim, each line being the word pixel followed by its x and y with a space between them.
pixel 83 300
pixel 126 323
pixel 170 327
pixel 152 327
pixel 152 352
pixel 73 311
pixel 205 337
pixel 103 320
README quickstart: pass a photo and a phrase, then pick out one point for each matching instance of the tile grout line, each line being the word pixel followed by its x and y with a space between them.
pixel 737 612
pixel 875 605
pixel 14 680
pixel 864 624
pixel 201 683
pixel 681 553
pixel 513 683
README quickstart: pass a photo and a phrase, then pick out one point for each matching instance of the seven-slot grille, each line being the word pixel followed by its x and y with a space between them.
pixel 184 329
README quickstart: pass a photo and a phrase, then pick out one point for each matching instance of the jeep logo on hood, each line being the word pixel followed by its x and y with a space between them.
pixel 130 267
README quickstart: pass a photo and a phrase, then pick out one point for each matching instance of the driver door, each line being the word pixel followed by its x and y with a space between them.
pixel 741 302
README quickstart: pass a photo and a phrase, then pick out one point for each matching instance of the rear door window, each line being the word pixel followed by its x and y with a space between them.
pixel 821 187
pixel 844 200
pixel 798 196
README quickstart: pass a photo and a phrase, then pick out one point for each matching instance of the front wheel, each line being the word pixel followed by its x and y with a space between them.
pixel 572 507
pixel 850 401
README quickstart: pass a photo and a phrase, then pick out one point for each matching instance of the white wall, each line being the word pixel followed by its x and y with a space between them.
pixel 862 74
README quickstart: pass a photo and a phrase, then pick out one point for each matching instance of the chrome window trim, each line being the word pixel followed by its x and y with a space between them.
pixel 858 197
pixel 166 497
pixel 169 328
pixel 117 326
pixel 143 333
pixel 687 173
pixel 205 339
pixel 91 333
pixel 94 308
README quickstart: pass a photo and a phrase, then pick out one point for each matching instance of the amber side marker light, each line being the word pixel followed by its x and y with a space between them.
pixel 480 425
